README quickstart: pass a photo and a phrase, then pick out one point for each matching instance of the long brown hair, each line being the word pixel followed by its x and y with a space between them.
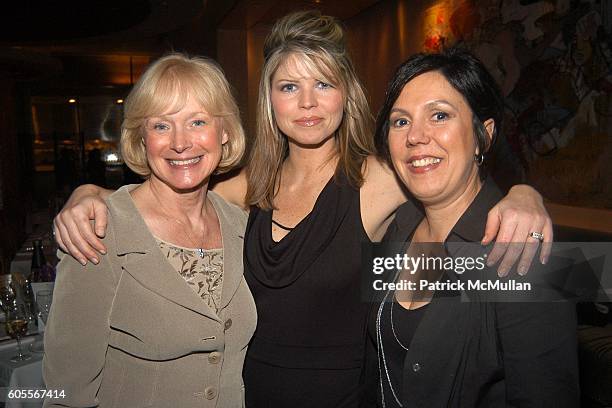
pixel 319 43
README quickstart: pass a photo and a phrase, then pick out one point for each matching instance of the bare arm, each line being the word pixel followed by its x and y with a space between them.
pixel 233 188
pixel 381 194
pixel 522 211
pixel 72 226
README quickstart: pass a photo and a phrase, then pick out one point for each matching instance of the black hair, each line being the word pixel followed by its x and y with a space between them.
pixel 466 74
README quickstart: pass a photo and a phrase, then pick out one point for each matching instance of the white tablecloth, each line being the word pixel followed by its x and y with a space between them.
pixel 21 375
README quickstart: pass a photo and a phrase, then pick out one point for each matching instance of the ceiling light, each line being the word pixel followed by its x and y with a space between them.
pixel 112 158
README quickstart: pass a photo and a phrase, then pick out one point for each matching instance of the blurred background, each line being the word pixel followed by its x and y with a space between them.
pixel 66 66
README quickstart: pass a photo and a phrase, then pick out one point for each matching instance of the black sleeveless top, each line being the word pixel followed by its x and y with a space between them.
pixel 307 288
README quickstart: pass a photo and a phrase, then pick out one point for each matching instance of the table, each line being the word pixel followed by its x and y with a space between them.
pixel 42 227
pixel 22 262
pixel 23 374
pixel 26 374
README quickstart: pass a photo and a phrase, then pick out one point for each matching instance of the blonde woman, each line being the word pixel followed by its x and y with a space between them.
pixel 165 316
pixel 316 193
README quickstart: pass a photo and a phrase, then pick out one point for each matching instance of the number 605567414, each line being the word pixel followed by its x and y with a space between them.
pixel 35 394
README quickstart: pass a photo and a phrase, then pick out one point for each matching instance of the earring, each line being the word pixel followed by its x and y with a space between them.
pixel 479 158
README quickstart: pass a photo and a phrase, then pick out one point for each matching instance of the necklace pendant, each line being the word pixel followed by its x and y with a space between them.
pixel 201 252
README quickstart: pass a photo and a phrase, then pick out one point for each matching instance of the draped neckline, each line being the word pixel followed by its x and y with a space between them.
pixel 280 263
pixel 303 221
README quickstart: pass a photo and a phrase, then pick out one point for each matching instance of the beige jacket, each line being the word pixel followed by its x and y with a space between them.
pixel 129 332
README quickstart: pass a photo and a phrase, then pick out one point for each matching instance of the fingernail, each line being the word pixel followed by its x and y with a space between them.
pixel 522 271
pixel 82 261
pixel 95 260
pixel 490 262
pixel 544 260
pixel 502 272
pixel 103 251
pixel 484 239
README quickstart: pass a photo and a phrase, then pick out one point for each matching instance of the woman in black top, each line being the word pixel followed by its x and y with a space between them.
pixel 316 193
pixel 433 348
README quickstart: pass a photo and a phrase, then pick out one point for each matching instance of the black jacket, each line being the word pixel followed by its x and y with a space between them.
pixel 482 354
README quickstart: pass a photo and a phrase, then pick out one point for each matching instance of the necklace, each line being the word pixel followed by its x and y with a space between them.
pixel 199 249
pixel 281 226
pixel 381 356
pixel 393 327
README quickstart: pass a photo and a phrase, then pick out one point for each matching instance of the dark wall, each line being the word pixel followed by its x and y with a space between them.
pixel 15 170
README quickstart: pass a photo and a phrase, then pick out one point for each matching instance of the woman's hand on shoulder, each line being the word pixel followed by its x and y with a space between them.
pixel 512 220
pixel 73 229
pixel 232 187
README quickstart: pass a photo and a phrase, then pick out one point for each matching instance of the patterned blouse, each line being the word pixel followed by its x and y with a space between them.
pixel 203 274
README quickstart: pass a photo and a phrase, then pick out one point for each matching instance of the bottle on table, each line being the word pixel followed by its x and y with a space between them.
pixel 38 260
pixel 37 272
pixel 42 270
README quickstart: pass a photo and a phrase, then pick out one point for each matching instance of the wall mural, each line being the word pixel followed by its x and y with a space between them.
pixel 553 61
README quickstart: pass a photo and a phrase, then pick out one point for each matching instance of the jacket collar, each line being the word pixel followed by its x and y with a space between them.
pixel 233 243
pixel 131 232
pixel 141 258
pixel 470 226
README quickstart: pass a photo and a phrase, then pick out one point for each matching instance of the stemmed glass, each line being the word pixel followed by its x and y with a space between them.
pixel 16 327
pixel 43 304
pixel 7 296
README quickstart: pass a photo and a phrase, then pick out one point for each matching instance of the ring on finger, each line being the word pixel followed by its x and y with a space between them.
pixel 537 235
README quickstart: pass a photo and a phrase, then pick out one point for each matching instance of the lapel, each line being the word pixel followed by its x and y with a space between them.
pixel 139 256
pixel 232 222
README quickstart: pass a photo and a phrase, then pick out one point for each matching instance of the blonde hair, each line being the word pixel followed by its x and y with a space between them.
pixel 166 86
pixel 318 42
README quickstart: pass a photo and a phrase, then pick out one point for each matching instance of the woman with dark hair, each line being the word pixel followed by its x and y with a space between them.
pixel 316 192
pixel 442 114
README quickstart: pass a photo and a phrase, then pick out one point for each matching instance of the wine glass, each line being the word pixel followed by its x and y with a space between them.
pixel 43 304
pixel 16 327
pixel 7 296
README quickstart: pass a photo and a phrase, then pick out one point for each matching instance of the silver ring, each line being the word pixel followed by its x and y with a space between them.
pixel 537 235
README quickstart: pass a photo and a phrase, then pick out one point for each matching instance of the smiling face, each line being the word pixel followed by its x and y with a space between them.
pixel 431 140
pixel 183 148
pixel 307 109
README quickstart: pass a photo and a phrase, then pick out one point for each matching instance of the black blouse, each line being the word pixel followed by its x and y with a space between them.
pixel 308 295
pixel 478 353
pixel 396 338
